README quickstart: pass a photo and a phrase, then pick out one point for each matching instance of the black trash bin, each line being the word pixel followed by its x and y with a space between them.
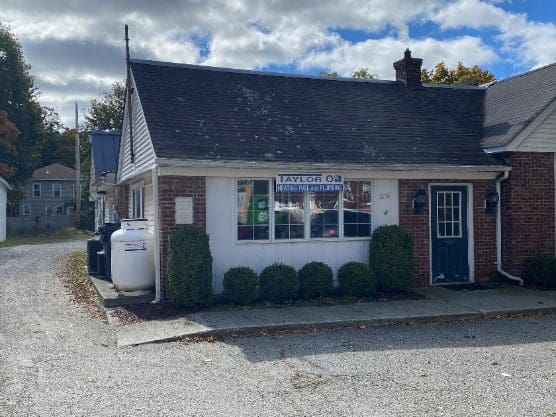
pixel 93 246
pixel 104 233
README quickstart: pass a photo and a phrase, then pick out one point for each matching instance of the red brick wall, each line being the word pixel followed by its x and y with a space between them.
pixel 170 187
pixel 121 201
pixel 527 209
pixel 484 226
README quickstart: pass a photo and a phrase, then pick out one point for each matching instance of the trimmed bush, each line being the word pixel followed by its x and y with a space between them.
pixel 240 285
pixel 278 283
pixel 391 257
pixel 541 270
pixel 189 267
pixel 315 280
pixel 356 280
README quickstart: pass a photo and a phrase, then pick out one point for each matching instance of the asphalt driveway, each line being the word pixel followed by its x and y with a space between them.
pixel 57 361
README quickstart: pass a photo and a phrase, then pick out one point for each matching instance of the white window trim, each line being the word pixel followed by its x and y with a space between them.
pixel 141 187
pixel 54 186
pixel 56 210
pixel 307 223
pixel 68 209
pixel 460 222
pixel 33 190
pixel 23 210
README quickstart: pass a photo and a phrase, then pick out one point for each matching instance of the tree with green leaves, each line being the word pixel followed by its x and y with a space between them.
pixel 441 74
pixel 107 112
pixel 18 99
pixel 364 73
pixel 333 74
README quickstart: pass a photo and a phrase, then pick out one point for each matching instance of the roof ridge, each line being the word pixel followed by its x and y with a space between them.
pixel 523 74
pixel 255 72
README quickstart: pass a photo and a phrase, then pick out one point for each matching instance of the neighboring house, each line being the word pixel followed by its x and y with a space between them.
pixel 104 162
pixel 4 187
pixel 291 168
pixel 49 200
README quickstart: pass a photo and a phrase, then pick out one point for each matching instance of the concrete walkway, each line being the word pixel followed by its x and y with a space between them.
pixel 439 304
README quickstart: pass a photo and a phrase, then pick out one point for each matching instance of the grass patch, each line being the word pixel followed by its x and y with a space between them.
pixel 79 286
pixel 36 238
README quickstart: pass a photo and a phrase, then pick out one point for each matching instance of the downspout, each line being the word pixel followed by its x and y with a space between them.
pixel 501 178
pixel 157 282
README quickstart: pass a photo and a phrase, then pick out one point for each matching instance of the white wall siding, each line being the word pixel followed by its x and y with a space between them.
pixel 543 138
pixel 146 182
pixel 3 204
pixel 142 145
pixel 227 252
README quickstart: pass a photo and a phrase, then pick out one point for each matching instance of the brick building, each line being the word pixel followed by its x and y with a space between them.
pixel 289 168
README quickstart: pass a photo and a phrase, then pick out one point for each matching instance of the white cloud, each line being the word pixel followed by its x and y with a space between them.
pixel 531 43
pixel 379 54
pixel 76 48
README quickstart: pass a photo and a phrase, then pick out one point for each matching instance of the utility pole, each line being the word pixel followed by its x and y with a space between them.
pixel 78 173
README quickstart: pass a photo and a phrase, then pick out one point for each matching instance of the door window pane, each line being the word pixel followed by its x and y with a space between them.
pixel 448 214
pixel 252 204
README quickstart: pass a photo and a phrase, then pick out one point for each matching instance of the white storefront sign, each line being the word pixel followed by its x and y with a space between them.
pixel 309 182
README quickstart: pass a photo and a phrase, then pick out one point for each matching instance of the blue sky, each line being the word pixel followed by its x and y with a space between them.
pixel 76 49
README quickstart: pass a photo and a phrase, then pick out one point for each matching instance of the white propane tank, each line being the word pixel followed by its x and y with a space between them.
pixel 133 256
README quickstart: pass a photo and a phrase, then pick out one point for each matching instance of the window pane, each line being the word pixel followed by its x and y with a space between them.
pixel 448 229
pixel 324 214
pixel 357 208
pixel 441 229
pixel 440 199
pixel 289 215
pixel 252 205
pixel 456 199
pixel 456 229
pixel 363 230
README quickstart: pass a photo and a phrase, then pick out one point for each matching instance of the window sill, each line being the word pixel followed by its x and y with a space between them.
pixel 296 241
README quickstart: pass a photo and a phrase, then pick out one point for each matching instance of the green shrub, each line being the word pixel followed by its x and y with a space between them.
pixel 356 280
pixel 391 257
pixel 541 271
pixel 315 280
pixel 278 283
pixel 240 285
pixel 189 267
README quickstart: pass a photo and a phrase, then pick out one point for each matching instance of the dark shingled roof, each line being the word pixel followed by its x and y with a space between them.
pixel 106 145
pixel 54 172
pixel 195 112
pixel 511 104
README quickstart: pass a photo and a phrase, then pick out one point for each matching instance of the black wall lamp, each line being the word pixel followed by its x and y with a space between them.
pixel 420 201
pixel 491 201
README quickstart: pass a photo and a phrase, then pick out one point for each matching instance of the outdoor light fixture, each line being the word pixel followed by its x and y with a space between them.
pixel 420 201
pixel 491 201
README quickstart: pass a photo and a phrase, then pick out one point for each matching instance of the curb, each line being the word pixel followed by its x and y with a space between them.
pixel 343 324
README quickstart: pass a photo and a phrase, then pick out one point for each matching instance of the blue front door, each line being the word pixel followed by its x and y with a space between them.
pixel 449 234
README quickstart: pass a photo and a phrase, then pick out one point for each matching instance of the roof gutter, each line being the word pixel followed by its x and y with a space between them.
pixel 501 178
pixel 207 163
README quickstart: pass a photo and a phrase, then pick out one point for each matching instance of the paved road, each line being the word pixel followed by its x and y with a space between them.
pixel 52 363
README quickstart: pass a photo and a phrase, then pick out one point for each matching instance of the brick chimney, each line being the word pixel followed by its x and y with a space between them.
pixel 408 70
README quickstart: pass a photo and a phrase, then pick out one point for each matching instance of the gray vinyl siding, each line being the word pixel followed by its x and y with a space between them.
pixel 146 182
pixel 37 204
pixel 543 138
pixel 143 149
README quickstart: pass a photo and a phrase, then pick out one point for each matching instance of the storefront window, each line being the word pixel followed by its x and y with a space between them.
pixel 324 215
pixel 302 215
pixel 253 219
pixel 357 209
pixel 289 215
